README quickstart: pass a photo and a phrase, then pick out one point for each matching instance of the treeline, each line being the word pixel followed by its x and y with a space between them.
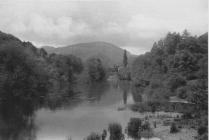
pixel 27 72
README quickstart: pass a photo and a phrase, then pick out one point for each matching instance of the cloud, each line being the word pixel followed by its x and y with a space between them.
pixel 131 24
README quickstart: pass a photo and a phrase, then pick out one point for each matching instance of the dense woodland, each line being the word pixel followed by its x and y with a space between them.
pixel 176 66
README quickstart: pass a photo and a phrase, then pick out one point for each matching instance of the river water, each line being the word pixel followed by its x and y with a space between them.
pixel 89 110
pixel 100 105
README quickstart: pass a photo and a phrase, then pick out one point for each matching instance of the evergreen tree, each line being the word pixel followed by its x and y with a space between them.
pixel 125 59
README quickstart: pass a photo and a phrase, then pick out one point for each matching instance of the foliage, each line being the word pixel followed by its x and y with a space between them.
pixel 27 72
pixel 96 70
pixel 125 59
pixel 172 66
pixel 176 66
pixel 175 81
pixel 21 78
pixel 134 127
pixel 202 130
pixel 124 73
pixel 182 92
pixel 93 136
pixel 173 128
pixel 115 131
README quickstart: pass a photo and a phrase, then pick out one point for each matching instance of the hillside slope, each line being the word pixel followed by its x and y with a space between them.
pixel 108 53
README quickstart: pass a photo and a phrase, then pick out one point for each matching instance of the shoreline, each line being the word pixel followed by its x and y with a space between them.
pixel 162 131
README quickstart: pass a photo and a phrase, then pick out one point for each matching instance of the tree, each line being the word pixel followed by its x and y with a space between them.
pixel 125 59
pixel 185 34
pixel 182 92
pixel 96 70
pixel 175 81
pixel 23 78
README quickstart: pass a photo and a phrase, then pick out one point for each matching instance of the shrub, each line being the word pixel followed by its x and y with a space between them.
pixel 182 92
pixel 201 130
pixel 115 131
pixel 146 126
pixel 173 128
pixel 93 136
pixel 187 115
pixel 134 126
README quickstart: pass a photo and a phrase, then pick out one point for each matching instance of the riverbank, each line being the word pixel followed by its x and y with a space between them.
pixel 161 129
pixel 163 132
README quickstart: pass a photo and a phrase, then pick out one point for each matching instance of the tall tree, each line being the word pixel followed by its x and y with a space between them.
pixel 125 59
pixel 185 34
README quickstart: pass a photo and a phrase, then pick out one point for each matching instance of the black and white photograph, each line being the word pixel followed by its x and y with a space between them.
pixel 103 69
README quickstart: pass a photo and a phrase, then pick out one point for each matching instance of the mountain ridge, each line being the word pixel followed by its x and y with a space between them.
pixel 109 53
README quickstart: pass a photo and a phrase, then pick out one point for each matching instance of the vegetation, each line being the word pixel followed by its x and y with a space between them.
pixel 125 59
pixel 115 131
pixel 124 72
pixel 93 136
pixel 31 74
pixel 108 53
pixel 173 128
pixel 175 66
pixel 96 71
pixel 134 126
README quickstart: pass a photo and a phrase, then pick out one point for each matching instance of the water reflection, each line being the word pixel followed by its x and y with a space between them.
pixel 96 91
pixel 137 94
pixel 125 87
pixel 17 120
pixel 73 114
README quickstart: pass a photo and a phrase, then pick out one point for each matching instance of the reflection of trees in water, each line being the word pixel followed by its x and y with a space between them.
pixel 61 99
pixel 96 90
pixel 125 87
pixel 17 120
pixel 136 93
pixel 17 112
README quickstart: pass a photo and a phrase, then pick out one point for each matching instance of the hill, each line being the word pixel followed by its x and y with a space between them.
pixel 109 54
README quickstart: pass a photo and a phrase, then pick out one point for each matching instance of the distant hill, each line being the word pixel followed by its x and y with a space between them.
pixel 109 54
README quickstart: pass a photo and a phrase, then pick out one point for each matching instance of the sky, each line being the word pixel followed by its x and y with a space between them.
pixel 130 24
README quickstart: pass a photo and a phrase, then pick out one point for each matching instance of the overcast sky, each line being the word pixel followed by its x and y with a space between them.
pixel 130 24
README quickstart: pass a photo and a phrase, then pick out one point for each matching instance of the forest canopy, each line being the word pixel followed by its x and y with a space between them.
pixel 176 66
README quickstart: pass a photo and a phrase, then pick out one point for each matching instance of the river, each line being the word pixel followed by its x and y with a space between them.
pixel 98 108
pixel 91 110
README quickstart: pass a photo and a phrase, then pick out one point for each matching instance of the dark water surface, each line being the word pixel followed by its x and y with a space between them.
pixel 98 108
pixel 89 110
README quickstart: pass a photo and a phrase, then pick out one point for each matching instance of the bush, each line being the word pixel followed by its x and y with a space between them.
pixel 134 127
pixel 93 136
pixel 146 126
pixel 182 92
pixel 187 115
pixel 173 128
pixel 175 82
pixel 115 131
pixel 201 130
